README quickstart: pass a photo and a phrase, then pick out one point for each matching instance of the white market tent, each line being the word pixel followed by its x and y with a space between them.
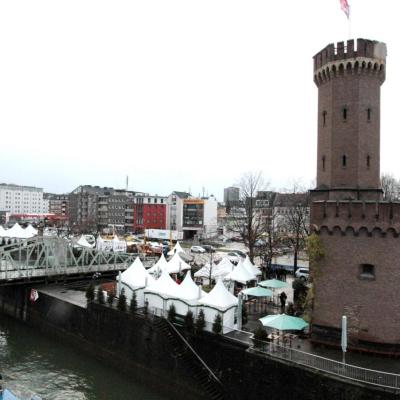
pixel 17 232
pixel 118 246
pixel 176 249
pixel 224 267
pixel 251 267
pixel 240 274
pixel 2 231
pixel 31 230
pixel 204 272
pixel 176 264
pixel 159 266
pixel 220 301
pixel 83 242
pixel 104 245
pixel 186 296
pixel 135 279
pixel 157 293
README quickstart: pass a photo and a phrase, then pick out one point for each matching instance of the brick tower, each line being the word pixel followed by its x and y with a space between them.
pixel 360 273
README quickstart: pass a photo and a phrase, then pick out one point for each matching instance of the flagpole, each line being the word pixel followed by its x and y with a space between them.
pixel 349 19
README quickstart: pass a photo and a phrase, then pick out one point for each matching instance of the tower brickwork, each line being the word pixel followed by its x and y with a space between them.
pixel 360 233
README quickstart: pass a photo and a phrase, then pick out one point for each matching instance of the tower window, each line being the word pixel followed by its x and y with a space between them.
pixel 344 113
pixel 368 161
pixel 323 163
pixel 369 112
pixel 367 271
pixel 344 161
pixel 324 118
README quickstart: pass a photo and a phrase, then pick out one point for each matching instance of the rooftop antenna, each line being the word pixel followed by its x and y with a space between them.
pixel 203 190
pixel 127 182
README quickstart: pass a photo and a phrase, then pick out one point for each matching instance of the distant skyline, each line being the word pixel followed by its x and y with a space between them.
pixel 178 95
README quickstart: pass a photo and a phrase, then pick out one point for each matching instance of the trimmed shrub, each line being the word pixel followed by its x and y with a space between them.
pixel 100 296
pixel 133 304
pixel 200 322
pixel 121 305
pixel 110 299
pixel 188 322
pixel 217 325
pixel 90 293
pixel 171 313
pixel 259 335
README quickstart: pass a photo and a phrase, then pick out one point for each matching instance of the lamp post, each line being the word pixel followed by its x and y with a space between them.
pixel 239 311
pixel 344 338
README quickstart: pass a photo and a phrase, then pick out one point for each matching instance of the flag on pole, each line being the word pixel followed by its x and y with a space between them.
pixel 344 5
pixel 34 295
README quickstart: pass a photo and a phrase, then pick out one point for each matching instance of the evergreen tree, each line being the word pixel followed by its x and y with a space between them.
pixel 217 325
pixel 90 293
pixel 200 322
pixel 133 304
pixel 259 336
pixel 110 299
pixel 188 322
pixel 100 296
pixel 121 305
pixel 171 313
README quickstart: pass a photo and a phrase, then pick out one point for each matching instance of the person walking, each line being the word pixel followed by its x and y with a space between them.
pixel 283 298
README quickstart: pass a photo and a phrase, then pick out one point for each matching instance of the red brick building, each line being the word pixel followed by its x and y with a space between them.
pixel 149 212
pixel 359 273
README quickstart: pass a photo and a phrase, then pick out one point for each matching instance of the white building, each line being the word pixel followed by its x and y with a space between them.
pixel 22 199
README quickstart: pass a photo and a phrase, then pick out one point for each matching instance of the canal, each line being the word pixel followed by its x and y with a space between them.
pixel 32 363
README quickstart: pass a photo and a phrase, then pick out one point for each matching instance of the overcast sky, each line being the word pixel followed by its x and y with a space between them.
pixel 178 95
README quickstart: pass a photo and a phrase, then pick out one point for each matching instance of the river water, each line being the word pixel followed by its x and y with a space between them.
pixel 32 363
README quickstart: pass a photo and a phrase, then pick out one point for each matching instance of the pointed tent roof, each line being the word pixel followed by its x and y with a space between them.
pixel 16 231
pixel 204 272
pixel 251 267
pixel 219 297
pixel 31 230
pixel 224 268
pixel 188 290
pixel 2 232
pixel 240 274
pixel 136 275
pixel 163 285
pixel 160 265
pixel 176 249
pixel 83 242
pixel 176 264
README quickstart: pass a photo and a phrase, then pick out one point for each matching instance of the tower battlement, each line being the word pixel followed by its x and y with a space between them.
pixel 370 57
pixel 353 216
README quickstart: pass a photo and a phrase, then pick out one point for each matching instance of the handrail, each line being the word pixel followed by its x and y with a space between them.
pixel 193 351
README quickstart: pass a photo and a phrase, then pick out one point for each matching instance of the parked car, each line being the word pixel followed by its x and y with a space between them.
pixel 240 253
pixel 208 248
pixel 302 273
pixel 197 249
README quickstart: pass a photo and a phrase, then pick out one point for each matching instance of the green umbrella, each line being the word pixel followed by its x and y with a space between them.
pixel 257 291
pixel 273 283
pixel 283 322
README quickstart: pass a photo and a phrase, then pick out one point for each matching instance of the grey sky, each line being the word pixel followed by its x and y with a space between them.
pixel 175 94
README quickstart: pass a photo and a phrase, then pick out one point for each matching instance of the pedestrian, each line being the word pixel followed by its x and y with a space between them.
pixel 283 298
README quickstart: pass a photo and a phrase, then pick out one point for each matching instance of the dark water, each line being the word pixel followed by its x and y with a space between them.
pixel 32 363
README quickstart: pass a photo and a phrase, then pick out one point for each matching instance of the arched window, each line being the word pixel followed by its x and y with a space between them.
pixel 344 160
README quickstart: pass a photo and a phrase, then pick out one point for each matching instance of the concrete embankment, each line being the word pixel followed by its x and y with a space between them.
pixel 135 346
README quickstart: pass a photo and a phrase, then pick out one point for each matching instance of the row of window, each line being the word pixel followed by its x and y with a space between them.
pixel 345 115
pixel 345 160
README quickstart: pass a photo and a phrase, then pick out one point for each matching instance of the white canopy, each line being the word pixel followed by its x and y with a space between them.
pixel 17 232
pixel 164 285
pixel 177 249
pixel 240 274
pixel 251 267
pixel 176 264
pixel 223 268
pixel 136 275
pixel 31 230
pixel 83 242
pixel 219 297
pixel 204 272
pixel 159 266
pixel 2 232
pixel 118 245
pixel 188 290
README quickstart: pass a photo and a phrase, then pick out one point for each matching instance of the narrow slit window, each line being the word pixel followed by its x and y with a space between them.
pixel 368 161
pixel 369 112
pixel 324 118
pixel 344 113
pixel 344 161
pixel 323 163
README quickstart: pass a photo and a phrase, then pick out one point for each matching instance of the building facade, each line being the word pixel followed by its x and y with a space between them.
pixel 231 195
pixel 17 199
pixel 150 212
pixel 359 233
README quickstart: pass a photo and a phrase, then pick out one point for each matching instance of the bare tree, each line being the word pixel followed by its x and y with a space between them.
pixel 245 218
pixel 391 187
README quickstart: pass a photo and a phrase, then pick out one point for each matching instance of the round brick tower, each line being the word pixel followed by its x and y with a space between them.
pixel 359 233
pixel 348 82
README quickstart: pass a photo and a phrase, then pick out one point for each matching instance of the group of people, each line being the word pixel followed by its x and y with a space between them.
pixel 276 273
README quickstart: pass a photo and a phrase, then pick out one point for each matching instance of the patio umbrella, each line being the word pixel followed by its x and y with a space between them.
pixel 273 284
pixel 257 292
pixel 284 322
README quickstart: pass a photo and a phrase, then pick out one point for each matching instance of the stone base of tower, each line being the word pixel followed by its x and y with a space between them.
pixel 359 276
